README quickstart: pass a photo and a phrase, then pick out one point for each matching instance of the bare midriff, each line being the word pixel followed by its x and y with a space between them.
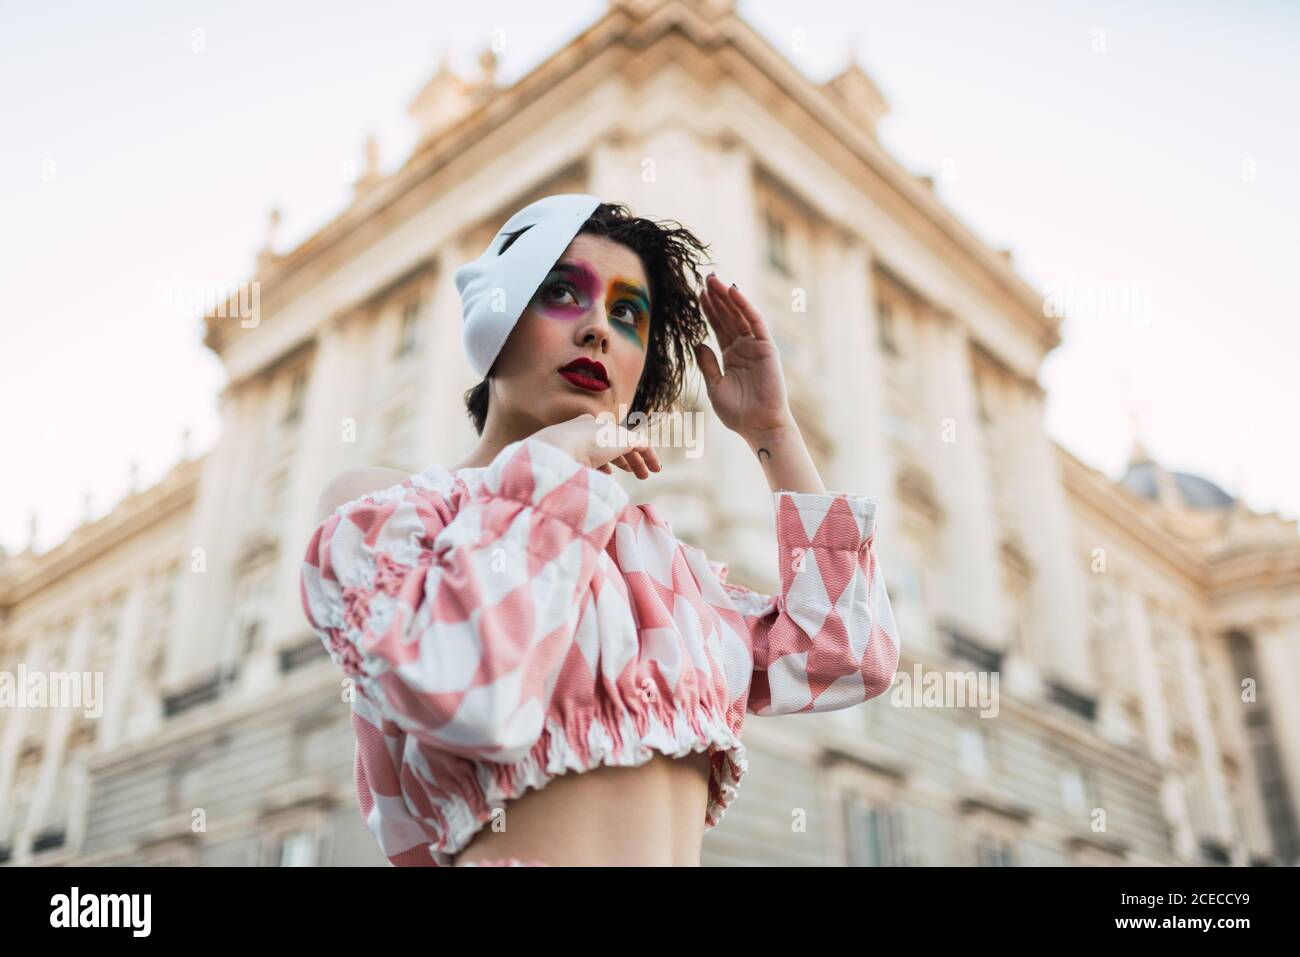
pixel 651 815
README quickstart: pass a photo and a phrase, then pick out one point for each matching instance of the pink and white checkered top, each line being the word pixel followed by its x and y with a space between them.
pixel 509 623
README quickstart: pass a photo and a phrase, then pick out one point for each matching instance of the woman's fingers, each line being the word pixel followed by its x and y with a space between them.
pixel 708 364
pixel 634 454
pixel 715 320
pixel 649 457
pixel 737 323
pixel 637 462
pixel 757 327
pixel 640 462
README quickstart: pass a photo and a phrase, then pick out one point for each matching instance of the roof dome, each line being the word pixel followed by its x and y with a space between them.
pixel 1196 492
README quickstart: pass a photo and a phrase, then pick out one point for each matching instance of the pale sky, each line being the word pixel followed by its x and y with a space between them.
pixel 1149 156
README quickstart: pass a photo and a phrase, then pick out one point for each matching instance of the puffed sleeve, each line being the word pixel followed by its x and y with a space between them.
pixel 828 640
pixel 455 614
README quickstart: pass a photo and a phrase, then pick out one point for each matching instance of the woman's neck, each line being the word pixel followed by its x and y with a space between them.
pixel 498 432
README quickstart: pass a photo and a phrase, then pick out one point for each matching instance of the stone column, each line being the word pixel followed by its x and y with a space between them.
pixel 443 432
pixel 1173 803
pixel 970 594
pixel 122 682
pixel 1155 714
pixel 1207 744
pixel 1059 621
pixel 79 803
pixel 56 734
pixel 11 741
pixel 1251 821
pixel 708 186
pixel 1113 724
pixel 855 413
pixel 143 712
pixel 1156 722
pixel 1277 650
pixel 320 448
pixel 338 433
pixel 204 596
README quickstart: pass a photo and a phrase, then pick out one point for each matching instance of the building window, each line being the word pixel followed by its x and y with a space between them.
pixel 1214 853
pixel 968 649
pixel 203 692
pixel 49 839
pixel 408 336
pixel 297 849
pixel 297 393
pixel 1074 791
pixel 303 653
pixel 776 244
pixel 248 639
pixel 875 833
pixel 993 851
pixel 1084 706
pixel 974 751
pixel 886 329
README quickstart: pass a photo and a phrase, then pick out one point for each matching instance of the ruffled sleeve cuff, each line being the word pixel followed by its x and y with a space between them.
pixel 826 519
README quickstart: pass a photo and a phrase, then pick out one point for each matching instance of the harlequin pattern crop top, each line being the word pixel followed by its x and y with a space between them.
pixel 508 623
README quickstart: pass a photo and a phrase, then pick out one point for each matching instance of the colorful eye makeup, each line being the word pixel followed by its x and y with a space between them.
pixel 570 289
pixel 628 298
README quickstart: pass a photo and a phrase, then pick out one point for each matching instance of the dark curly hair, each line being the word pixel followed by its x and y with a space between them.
pixel 670 255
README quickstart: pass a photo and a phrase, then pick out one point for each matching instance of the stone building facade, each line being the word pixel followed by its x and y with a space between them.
pixel 1140 632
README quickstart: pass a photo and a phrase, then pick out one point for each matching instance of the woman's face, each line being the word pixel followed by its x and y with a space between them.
pixel 593 305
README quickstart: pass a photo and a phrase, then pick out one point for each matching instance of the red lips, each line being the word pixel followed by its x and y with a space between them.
pixel 586 374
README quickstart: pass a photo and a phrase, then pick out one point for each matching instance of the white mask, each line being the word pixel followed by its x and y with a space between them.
pixel 496 287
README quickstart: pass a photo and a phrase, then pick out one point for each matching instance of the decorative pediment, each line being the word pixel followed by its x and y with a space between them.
pixel 444 99
pixel 859 96
pixel 987 803
pixel 1097 847
pixel 298 795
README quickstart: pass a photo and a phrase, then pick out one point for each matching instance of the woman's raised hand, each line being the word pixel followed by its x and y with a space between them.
pixel 749 397
pixel 598 444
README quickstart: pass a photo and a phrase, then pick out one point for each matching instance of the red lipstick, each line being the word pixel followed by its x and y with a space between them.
pixel 586 374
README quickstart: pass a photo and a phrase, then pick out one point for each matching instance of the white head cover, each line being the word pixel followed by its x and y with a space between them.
pixel 497 287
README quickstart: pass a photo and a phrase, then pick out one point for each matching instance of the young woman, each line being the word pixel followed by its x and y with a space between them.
pixel 542 672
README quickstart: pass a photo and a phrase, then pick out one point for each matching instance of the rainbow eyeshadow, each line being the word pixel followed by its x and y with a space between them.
pixel 630 293
pixel 623 294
